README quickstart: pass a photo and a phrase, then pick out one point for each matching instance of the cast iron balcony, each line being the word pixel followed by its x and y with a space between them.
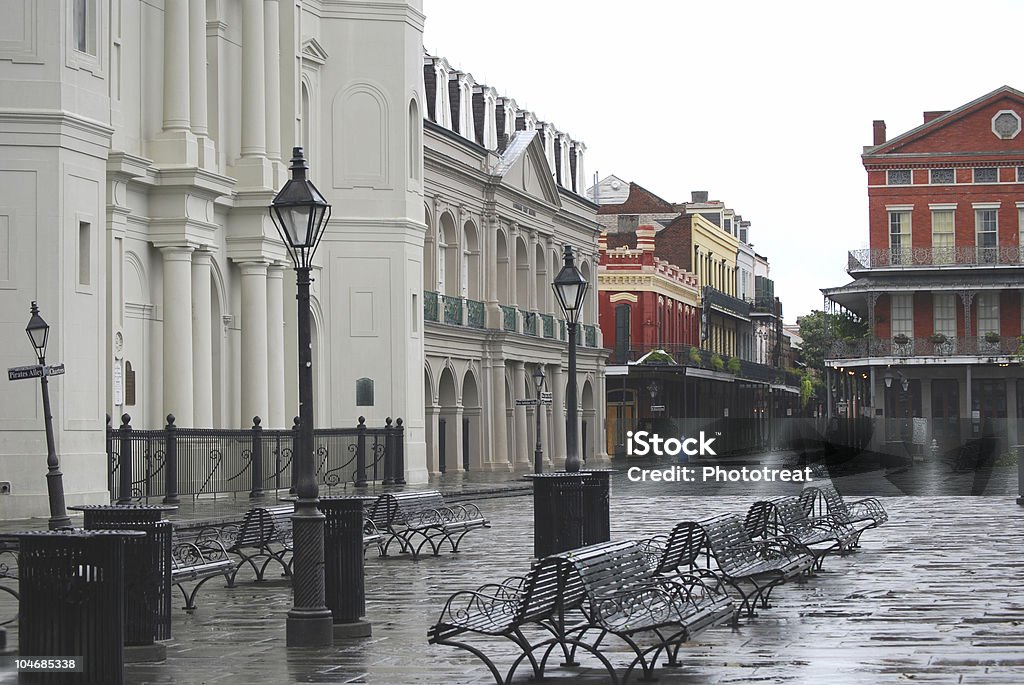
pixel 932 346
pixel 933 257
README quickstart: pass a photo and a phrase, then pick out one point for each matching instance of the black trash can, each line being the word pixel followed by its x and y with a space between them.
pixel 557 512
pixel 147 571
pixel 596 517
pixel 343 564
pixel 72 603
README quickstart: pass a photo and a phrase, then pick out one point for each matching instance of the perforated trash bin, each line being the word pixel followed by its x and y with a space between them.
pixel 343 563
pixel 72 602
pixel 557 512
pixel 147 566
pixel 596 494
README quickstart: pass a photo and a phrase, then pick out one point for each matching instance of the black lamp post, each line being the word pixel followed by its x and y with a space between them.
pixel 538 453
pixel 570 289
pixel 38 332
pixel 300 214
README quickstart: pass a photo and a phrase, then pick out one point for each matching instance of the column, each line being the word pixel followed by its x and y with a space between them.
pixel 177 334
pixel 490 229
pixel 513 266
pixel 254 341
pixel 176 144
pixel 254 94
pixel 275 348
pixel 272 47
pixel 499 438
pixel 518 387
pixel 455 453
pixel 202 341
pixel 433 424
pixel 556 380
pixel 177 108
pixel 197 83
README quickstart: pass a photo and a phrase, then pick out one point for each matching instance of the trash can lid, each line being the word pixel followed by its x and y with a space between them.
pixel 74 533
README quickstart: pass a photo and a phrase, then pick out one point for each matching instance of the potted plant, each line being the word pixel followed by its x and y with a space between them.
pixel 695 357
pixel 900 339
pixel 733 366
pixel 992 337
pixel 938 338
pixel 658 357
pixel 716 362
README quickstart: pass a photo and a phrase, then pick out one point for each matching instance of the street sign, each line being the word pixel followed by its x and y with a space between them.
pixel 545 397
pixel 658 407
pixel 525 403
pixel 18 373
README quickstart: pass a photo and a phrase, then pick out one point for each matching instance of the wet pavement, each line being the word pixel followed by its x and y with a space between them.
pixel 933 596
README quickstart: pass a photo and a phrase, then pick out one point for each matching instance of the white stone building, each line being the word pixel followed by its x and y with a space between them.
pixel 140 144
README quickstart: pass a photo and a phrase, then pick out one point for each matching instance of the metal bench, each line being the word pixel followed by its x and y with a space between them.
pixel 784 516
pixel 625 597
pixel 9 575
pixel 265 533
pixel 503 610
pixel 198 560
pixel 825 501
pixel 720 548
pixel 406 516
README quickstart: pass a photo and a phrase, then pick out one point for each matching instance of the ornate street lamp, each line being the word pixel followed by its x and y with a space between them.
pixel 38 332
pixel 538 454
pixel 570 289
pixel 300 214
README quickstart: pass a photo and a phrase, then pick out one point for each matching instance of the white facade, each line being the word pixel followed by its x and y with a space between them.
pixel 141 145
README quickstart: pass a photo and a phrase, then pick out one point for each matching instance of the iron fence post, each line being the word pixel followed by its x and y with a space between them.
pixel 110 455
pixel 399 453
pixel 256 454
pixel 171 477
pixel 389 446
pixel 124 459
pixel 360 481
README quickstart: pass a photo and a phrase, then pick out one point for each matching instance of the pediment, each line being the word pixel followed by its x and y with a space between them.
pixel 314 52
pixel 524 167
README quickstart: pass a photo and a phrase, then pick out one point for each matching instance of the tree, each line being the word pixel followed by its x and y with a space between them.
pixel 818 329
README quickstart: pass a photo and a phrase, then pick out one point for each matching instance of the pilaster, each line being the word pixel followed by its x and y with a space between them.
pixel 177 335
pixel 254 341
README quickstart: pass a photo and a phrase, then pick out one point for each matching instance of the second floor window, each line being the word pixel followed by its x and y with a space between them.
pixel 902 313
pixel 899 237
pixel 988 313
pixel 988 174
pixel 944 314
pixel 986 225
pixel 898 177
pixel 942 236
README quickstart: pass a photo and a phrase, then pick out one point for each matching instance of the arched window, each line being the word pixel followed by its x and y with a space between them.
pixel 415 147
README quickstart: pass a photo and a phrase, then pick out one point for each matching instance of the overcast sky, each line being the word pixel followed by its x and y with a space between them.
pixel 766 105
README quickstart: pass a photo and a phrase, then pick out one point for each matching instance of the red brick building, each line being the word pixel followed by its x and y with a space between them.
pixel 940 285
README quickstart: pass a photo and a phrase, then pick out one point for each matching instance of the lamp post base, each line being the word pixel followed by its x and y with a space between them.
pixel 309 628
pixel 358 628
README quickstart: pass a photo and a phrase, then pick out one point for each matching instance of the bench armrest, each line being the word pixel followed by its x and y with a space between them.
pixel 465 512
pixel 781 547
pixel 697 590
pixel 653 549
pixel 869 507
pixel 467 604
pixel 660 600
pixel 510 588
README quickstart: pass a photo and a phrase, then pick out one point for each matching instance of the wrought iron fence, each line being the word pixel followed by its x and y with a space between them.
pixel 508 318
pixel 687 355
pixel 474 314
pixel 931 346
pixel 170 462
pixel 548 322
pixel 452 309
pixel 529 322
pixel 917 257
pixel 430 309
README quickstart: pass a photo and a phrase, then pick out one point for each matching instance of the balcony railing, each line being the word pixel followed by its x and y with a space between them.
pixel 474 314
pixel 452 309
pixel 930 257
pixel 508 318
pixel 430 309
pixel 933 346
pixel 548 325
pixel 529 323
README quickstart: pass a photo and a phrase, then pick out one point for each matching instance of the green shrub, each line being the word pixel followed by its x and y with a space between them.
pixel 716 362
pixel 733 366
pixel 695 357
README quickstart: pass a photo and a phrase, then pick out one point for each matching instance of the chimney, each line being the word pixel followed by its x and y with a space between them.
pixel 645 238
pixel 928 116
pixel 879 127
pixel 698 196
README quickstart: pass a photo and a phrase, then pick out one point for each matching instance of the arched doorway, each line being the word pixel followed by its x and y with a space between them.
pixel 472 412
pixel 449 430
pixel 471 287
pixel 522 275
pixel 449 262
pixel 589 431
